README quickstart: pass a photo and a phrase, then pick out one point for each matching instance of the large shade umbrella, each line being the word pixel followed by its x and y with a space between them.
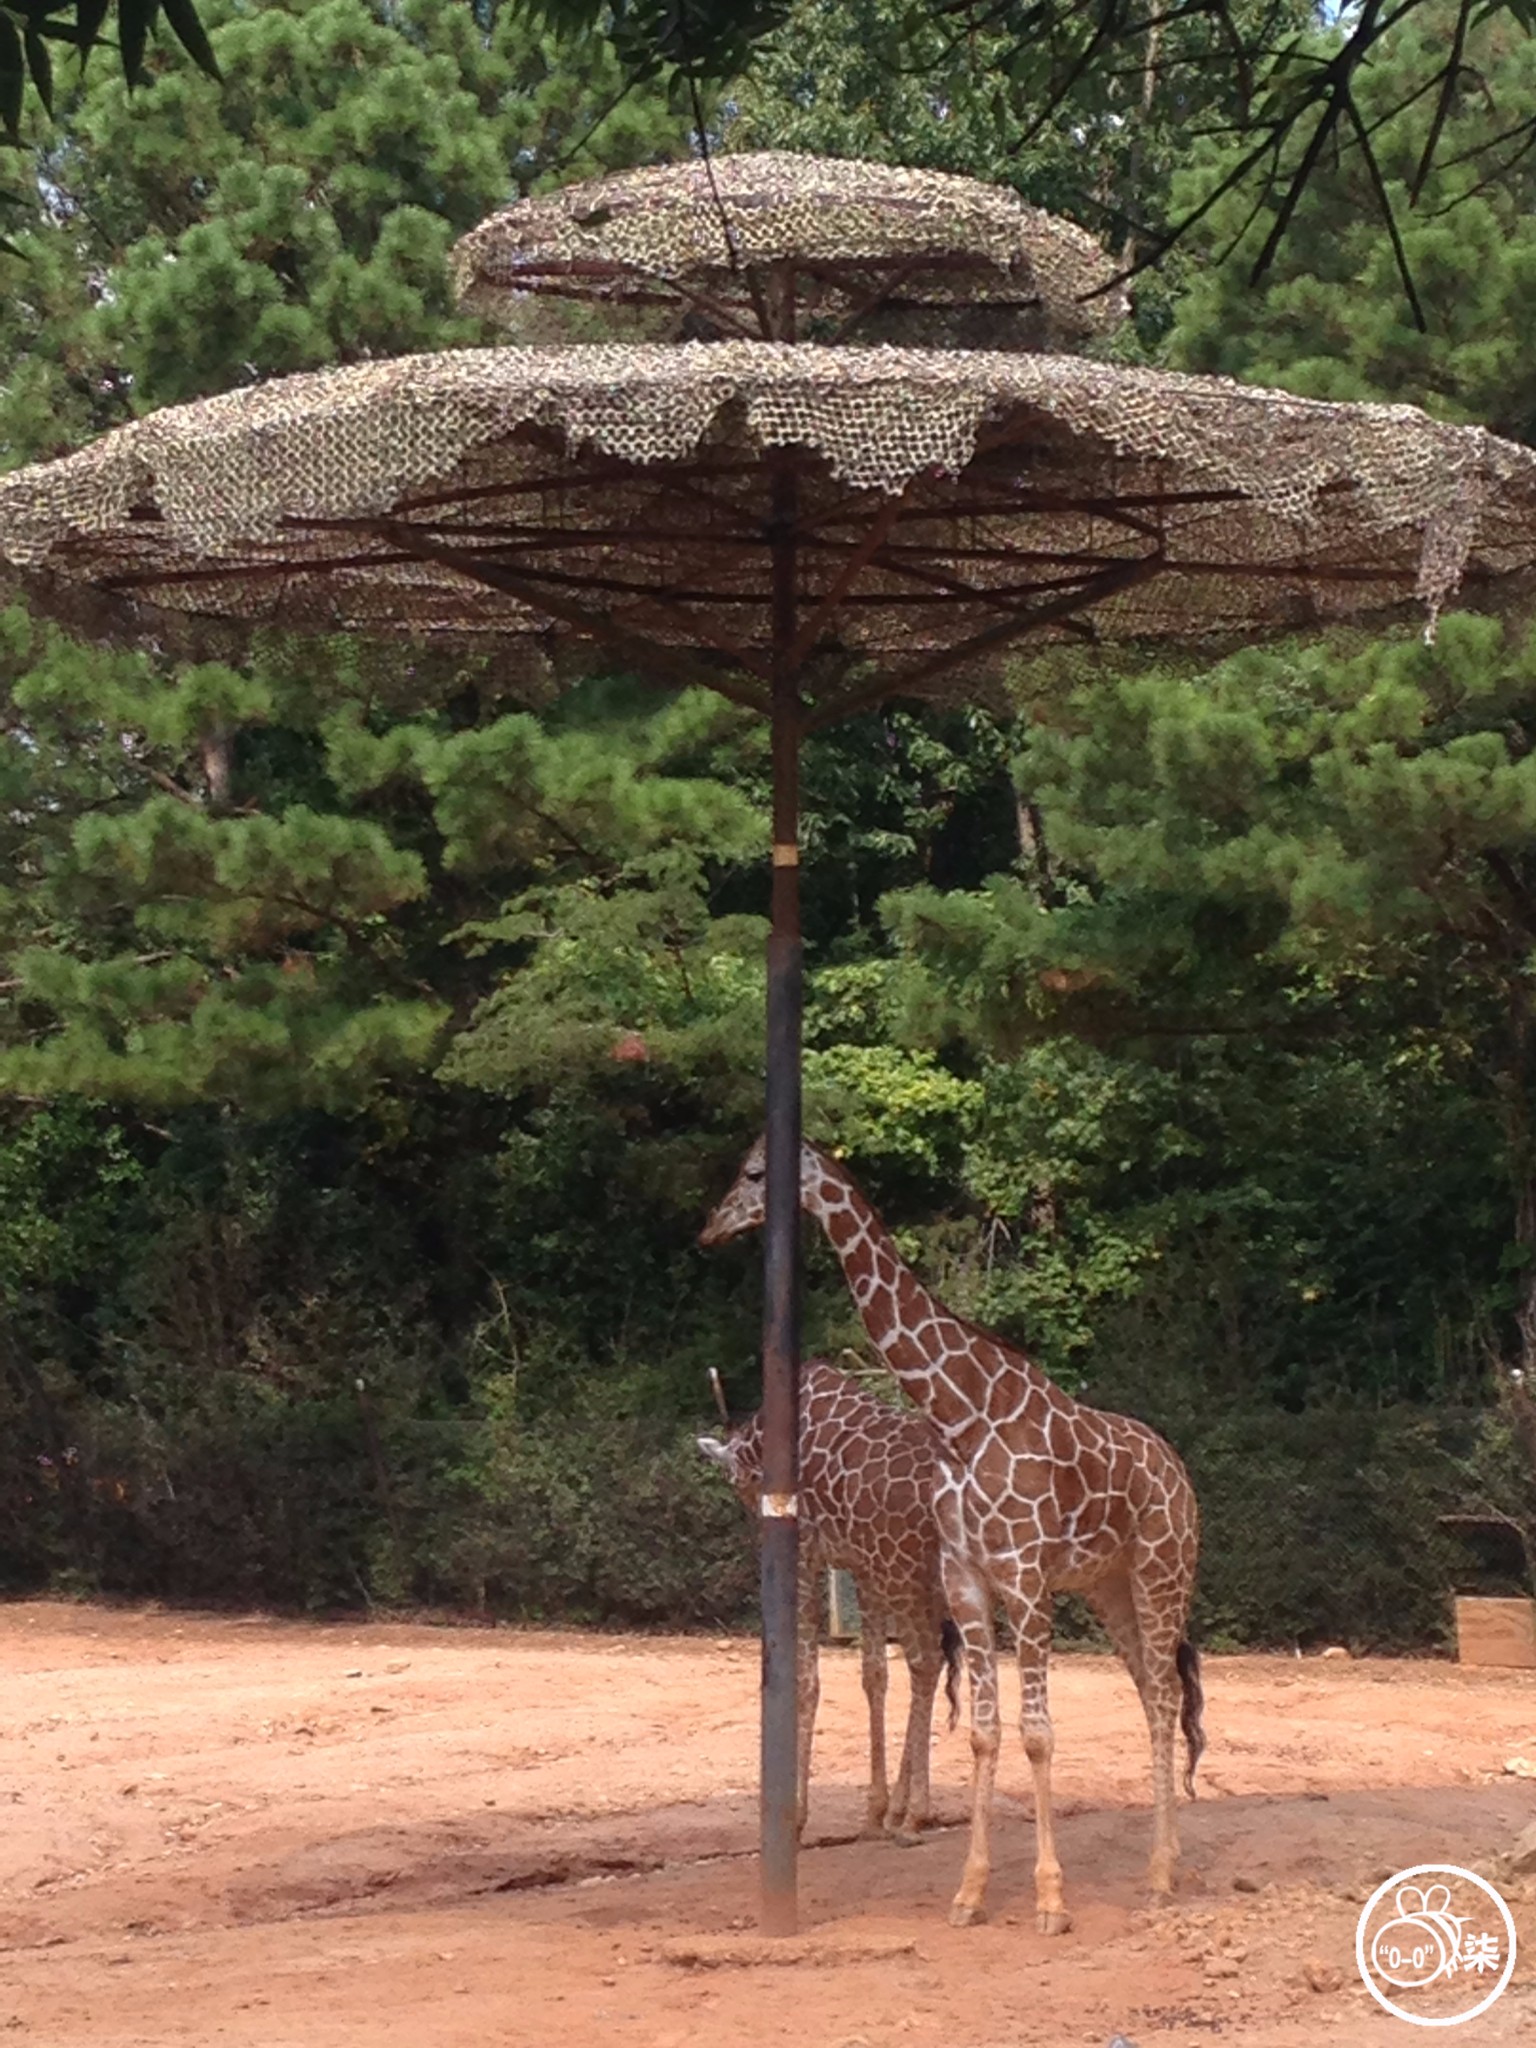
pixel 806 530
pixel 775 246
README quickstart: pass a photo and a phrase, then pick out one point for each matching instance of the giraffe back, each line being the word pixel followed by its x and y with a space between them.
pixel 867 1476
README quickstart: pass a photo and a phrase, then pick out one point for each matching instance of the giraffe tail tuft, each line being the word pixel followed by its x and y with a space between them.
pixel 949 1639
pixel 1191 1712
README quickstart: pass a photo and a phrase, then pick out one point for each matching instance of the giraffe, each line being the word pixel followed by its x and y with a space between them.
pixel 867 1474
pixel 1037 1494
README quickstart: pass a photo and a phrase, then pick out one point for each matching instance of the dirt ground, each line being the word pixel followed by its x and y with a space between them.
pixel 334 1836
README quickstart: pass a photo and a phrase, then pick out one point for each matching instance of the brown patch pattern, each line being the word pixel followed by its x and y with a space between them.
pixel 1036 1494
pixel 867 1474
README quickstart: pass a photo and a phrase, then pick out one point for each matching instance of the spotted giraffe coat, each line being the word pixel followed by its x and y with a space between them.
pixel 1037 1493
pixel 867 1476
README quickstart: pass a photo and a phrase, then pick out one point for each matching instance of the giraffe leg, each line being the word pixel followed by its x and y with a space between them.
pixel 912 1802
pixel 807 1669
pixel 876 1675
pixel 1160 1608
pixel 1029 1609
pixel 1112 1601
pixel 970 1604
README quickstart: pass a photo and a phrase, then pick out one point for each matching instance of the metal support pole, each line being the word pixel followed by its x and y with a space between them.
pixel 781 1261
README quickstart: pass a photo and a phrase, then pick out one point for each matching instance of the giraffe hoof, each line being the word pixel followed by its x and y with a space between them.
pixel 962 1915
pixel 905 1837
pixel 1053 1923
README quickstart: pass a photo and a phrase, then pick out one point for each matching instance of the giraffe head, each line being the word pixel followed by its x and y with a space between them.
pixel 741 1209
pixel 740 1456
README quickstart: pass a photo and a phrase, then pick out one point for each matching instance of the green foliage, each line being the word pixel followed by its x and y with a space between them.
pixel 880 80
pixel 690 39
pixel 639 972
pixel 29 29
pixel 604 1517
pixel 188 237
pixel 373 1039
pixel 173 941
pixel 1331 319
pixel 1286 95
pixel 890 1104
pixel 1324 1527
pixel 64 1174
pixel 1291 934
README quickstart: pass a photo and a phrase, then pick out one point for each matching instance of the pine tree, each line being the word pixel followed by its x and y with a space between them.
pixel 1332 319
pixel 224 894
pixel 871 78
pixel 185 237
pixel 1305 881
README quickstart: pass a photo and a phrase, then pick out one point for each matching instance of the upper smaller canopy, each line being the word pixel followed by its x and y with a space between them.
pixel 776 246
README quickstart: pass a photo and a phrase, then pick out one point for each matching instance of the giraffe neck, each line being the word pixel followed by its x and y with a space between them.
pixel 956 1373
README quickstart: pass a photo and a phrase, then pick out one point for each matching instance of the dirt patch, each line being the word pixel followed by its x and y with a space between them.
pixel 266 1833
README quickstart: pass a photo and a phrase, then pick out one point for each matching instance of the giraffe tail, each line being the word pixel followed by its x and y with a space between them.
pixel 949 1639
pixel 1192 1711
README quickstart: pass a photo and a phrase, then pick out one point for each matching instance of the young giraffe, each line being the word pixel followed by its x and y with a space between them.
pixel 1037 1494
pixel 867 1474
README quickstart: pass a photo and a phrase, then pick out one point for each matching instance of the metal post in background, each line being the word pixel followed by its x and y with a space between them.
pixel 781 1262
pixel 845 1624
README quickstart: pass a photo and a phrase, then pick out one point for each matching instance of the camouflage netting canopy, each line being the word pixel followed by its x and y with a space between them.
pixel 935 509
pixel 781 247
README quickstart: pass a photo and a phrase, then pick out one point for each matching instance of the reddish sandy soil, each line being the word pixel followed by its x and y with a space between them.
pixel 335 1836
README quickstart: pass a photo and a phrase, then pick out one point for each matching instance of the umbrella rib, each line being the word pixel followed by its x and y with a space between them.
pixel 916 510
pixel 588 476
pixel 1343 573
pixel 525 538
pixel 676 599
pixel 670 603
pixel 879 295
pixel 247 571
pixel 659 487
pixel 1026 506
pixel 1008 599
pixel 1121 577
pixel 544 282
pixel 679 479
pixel 959 261
pixel 674 667
pixel 688 492
pixel 864 553
pixel 899 551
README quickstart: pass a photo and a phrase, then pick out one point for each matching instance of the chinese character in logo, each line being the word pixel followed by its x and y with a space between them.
pixel 1481 1952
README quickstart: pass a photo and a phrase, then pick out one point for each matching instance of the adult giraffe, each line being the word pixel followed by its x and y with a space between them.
pixel 867 1474
pixel 1037 1494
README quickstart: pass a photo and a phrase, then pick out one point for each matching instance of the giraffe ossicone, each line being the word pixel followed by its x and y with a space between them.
pixel 1035 1494
pixel 865 1507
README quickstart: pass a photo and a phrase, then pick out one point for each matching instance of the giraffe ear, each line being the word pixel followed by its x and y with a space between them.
pixel 717 1452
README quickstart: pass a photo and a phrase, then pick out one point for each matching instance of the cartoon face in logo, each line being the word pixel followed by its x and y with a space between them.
pixel 1422 1943
pixel 1435 1945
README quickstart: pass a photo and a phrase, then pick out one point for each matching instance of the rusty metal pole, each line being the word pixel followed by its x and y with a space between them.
pixel 781 1258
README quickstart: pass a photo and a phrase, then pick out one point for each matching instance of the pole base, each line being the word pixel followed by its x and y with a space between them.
pixel 778 1914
